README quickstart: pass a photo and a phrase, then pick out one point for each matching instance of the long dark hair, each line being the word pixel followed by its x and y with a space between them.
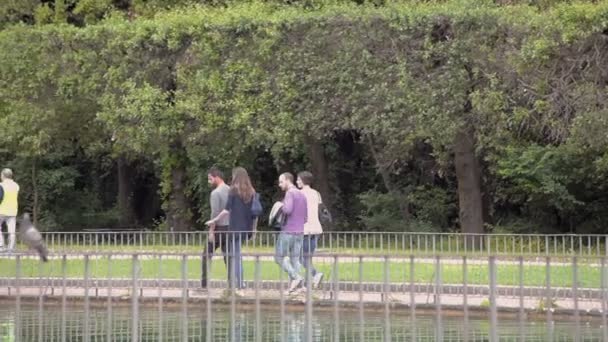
pixel 241 184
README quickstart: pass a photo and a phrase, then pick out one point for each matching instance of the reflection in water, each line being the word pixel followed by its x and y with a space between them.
pixel 228 323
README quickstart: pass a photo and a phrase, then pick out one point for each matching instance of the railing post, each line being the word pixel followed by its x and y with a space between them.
pixel 361 311
pixel 258 313
pixel 17 297
pixel 549 299
pixel 412 299
pixel 493 312
pixel 522 316
pixel 109 303
pixel 438 284
pixel 86 298
pixel 40 303
pixel 360 282
pixel 385 287
pixel 465 296
pixel 387 298
pixel 604 283
pixel 282 297
pixel 135 299
pixel 449 244
pixel 309 313
pixel 512 244
pixel 336 294
pixel 63 298
pixel 488 243
pixel 577 319
pixel 184 272
pixel 438 291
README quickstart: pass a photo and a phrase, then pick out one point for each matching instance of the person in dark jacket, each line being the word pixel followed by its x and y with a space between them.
pixel 242 224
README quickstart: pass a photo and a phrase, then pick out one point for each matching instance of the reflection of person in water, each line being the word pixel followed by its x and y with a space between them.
pixel 236 327
pixel 295 326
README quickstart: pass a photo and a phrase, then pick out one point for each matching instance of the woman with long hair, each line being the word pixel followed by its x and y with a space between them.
pixel 239 207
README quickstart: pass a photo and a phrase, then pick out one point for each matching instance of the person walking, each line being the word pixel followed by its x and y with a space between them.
pixel 312 228
pixel 243 207
pixel 9 193
pixel 216 237
pixel 289 243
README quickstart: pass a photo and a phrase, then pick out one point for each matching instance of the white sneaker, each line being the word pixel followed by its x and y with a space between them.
pixel 297 292
pixel 294 284
pixel 316 280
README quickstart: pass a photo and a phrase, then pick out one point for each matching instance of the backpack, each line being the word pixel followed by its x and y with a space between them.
pixel 256 206
pixel 324 214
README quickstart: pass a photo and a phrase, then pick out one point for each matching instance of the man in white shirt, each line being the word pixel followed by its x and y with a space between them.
pixel 312 227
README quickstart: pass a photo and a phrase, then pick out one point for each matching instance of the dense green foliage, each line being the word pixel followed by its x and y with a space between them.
pixel 434 116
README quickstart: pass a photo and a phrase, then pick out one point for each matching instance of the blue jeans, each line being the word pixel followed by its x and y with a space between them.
pixel 308 250
pixel 289 245
pixel 234 260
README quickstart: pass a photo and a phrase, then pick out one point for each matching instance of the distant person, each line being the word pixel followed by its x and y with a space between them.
pixel 243 207
pixel 312 228
pixel 9 193
pixel 290 238
pixel 217 231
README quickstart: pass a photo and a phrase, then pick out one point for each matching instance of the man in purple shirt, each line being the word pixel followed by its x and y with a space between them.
pixel 290 239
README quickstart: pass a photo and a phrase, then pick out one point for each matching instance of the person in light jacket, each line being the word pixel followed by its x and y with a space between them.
pixel 9 193
pixel 312 227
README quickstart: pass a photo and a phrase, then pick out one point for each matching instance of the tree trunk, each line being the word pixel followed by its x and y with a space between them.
pixel 125 192
pixel 178 209
pixel 319 168
pixel 469 184
pixel 386 179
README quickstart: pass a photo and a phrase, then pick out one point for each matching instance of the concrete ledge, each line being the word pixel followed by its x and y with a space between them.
pixel 368 287
pixel 298 303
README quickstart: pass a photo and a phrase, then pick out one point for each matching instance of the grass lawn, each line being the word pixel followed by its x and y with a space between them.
pixel 334 249
pixel 373 271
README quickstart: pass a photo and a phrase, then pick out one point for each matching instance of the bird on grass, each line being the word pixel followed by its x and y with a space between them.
pixel 32 237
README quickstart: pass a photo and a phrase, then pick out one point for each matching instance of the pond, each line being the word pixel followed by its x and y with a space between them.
pixel 50 322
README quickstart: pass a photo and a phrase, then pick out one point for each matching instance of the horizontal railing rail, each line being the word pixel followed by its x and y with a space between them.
pixel 341 242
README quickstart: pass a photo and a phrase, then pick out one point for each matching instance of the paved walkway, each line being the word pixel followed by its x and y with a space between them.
pixel 324 298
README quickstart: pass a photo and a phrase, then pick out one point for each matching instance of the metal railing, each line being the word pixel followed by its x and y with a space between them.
pixel 521 286
pixel 346 242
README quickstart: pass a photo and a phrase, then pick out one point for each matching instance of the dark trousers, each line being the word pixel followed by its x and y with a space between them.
pixel 220 241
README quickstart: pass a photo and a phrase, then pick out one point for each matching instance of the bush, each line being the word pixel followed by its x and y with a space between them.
pixel 430 210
